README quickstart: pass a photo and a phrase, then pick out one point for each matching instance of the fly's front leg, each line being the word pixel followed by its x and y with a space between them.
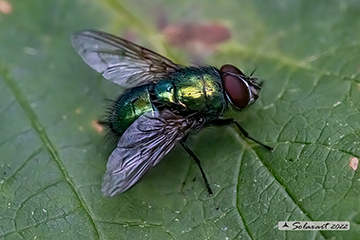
pixel 221 122
pixel 197 160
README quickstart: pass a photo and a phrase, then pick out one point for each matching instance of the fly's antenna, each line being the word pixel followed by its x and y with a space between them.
pixel 253 72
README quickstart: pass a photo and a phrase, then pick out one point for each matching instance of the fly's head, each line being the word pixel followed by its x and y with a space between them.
pixel 241 90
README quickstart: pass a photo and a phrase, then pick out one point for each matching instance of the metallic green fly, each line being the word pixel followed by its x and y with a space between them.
pixel 163 103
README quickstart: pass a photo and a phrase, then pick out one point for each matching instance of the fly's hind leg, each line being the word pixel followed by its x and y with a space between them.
pixel 221 122
pixel 197 160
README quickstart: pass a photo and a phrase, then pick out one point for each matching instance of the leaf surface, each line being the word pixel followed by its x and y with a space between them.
pixel 52 155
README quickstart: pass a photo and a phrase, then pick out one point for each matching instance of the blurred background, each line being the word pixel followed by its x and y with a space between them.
pixel 53 154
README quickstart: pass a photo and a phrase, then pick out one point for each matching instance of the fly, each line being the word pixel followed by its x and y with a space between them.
pixel 164 102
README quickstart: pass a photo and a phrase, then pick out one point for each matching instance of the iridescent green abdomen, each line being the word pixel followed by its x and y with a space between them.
pixel 129 106
pixel 195 90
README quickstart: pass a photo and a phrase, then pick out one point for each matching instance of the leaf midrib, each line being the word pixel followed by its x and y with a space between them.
pixel 49 146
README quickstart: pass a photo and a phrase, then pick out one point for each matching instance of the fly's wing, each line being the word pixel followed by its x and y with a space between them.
pixel 119 60
pixel 141 147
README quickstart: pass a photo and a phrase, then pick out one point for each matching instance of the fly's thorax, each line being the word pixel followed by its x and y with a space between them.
pixel 190 89
pixel 199 89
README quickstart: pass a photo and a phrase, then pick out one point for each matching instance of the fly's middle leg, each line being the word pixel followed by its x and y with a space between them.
pixel 221 122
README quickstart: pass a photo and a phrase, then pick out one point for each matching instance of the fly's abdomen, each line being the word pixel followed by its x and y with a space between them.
pixel 193 89
pixel 129 106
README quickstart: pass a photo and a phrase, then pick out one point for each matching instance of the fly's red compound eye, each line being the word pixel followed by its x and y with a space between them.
pixel 236 86
pixel 237 90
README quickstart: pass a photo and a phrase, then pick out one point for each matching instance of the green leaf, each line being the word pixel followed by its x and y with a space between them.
pixel 52 156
